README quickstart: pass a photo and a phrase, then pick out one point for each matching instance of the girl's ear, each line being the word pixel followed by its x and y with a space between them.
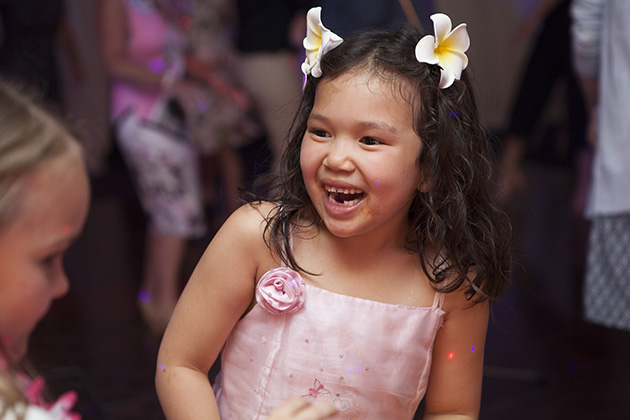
pixel 425 184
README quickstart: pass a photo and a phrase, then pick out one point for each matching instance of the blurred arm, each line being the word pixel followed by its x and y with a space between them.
pixel 114 35
pixel 454 389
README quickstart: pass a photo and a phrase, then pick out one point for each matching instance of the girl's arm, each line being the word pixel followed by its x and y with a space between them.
pixel 454 389
pixel 218 293
pixel 114 34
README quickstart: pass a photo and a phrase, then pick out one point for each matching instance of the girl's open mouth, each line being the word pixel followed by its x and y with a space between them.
pixel 344 197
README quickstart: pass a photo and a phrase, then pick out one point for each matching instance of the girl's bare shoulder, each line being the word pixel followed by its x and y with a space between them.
pixel 250 218
pixel 246 227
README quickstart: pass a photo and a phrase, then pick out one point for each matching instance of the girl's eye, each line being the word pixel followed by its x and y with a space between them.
pixel 52 260
pixel 318 133
pixel 370 141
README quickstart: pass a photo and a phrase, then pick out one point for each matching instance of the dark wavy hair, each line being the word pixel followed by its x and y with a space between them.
pixel 454 210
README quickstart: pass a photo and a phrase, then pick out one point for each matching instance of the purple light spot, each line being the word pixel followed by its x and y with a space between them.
pixel 377 182
pixel 161 367
pixel 472 348
pixel 157 66
pixel 144 296
pixel 203 105
pixel 358 368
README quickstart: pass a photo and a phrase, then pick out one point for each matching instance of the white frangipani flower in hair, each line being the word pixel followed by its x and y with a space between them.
pixel 447 49
pixel 318 41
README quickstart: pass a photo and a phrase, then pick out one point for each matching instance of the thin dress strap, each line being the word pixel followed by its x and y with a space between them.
pixel 284 251
pixel 438 300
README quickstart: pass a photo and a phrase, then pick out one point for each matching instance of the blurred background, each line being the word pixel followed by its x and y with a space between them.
pixel 542 360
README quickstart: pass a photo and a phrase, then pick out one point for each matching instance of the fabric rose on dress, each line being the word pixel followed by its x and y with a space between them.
pixel 447 48
pixel 319 40
pixel 281 290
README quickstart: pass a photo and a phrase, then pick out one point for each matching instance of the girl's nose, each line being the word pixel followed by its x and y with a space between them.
pixel 339 155
pixel 60 285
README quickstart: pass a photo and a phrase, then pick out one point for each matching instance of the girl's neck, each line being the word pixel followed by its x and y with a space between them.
pixel 373 245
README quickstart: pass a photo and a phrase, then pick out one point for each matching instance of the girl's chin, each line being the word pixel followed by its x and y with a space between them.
pixel 16 349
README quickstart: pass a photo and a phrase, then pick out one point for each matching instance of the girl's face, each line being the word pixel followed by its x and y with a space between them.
pixel 359 157
pixel 32 245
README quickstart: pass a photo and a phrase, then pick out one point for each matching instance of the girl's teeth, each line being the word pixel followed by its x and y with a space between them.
pixel 344 196
pixel 345 203
pixel 340 191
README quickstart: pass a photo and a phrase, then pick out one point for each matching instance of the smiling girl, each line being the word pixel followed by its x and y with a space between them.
pixel 365 282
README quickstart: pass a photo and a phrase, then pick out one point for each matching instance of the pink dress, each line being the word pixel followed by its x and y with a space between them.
pixel 153 43
pixel 370 359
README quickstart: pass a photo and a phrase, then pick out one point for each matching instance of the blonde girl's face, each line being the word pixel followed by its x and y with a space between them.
pixel 359 157
pixel 32 246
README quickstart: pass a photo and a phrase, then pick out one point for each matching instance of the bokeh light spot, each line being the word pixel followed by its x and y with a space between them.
pixel 185 22
pixel 145 296
pixel 157 66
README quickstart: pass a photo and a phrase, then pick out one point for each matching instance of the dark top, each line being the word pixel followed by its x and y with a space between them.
pixel 264 24
pixel 27 46
pixel 344 17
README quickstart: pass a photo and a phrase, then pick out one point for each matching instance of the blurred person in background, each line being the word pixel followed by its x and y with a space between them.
pixel 30 31
pixel 601 41
pixel 548 26
pixel 221 123
pixel 144 51
pixel 268 36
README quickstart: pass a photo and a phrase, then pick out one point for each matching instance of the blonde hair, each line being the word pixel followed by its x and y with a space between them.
pixel 12 398
pixel 29 137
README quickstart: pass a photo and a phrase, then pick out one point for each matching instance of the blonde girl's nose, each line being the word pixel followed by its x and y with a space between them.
pixel 60 285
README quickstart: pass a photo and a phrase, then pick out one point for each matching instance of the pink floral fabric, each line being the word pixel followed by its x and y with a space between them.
pixel 281 290
pixel 59 410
